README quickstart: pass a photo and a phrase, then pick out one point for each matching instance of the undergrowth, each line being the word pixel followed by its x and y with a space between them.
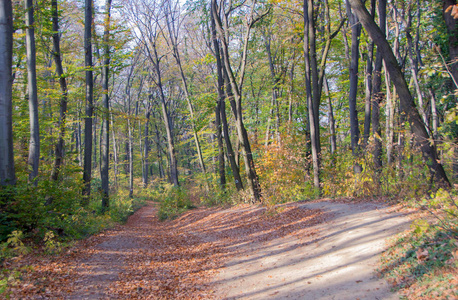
pixel 423 263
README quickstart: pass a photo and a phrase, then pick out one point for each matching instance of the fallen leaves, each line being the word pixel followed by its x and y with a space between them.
pixel 149 259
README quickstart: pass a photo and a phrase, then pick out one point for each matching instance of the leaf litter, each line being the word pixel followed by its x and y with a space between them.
pixel 150 259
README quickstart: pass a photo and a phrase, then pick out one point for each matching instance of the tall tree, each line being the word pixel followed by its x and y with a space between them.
pixel 221 110
pixel 352 97
pixel 452 30
pixel 87 171
pixel 222 26
pixel 105 145
pixel 311 76
pixel 7 171
pixel 173 22
pixel 34 143
pixel 59 149
pixel 377 95
pixel 407 104
pixel 147 17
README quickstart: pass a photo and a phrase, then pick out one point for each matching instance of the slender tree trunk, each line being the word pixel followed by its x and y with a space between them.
pixel 219 138
pixel 389 122
pixel 377 95
pixel 354 63
pixel 159 150
pixel 7 171
pixel 434 115
pixel 131 160
pixel 59 150
pixel 232 156
pixel 406 101
pixel 115 153
pixel 367 105
pixel 269 122
pixel 309 74
pixel 452 29
pixel 105 138
pixel 173 34
pixel 291 92
pixel 275 92
pixel 332 122
pixel 146 147
pixel 250 168
pixel 369 70
pixel 87 171
pixel 414 62
pixel 34 144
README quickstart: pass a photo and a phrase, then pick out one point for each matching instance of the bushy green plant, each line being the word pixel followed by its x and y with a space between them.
pixel 174 201
pixel 423 261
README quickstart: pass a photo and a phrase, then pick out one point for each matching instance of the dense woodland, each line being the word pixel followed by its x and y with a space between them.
pixel 270 101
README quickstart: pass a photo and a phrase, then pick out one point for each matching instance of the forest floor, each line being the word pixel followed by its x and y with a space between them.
pixel 306 250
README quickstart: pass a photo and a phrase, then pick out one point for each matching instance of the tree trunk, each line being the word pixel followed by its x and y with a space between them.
pixel 170 142
pixel 407 104
pixel 242 134
pixel 332 122
pixel 354 63
pixel 131 160
pixel 34 144
pixel 159 150
pixel 146 147
pixel 309 78
pixel 115 153
pixel 173 34
pixel 87 171
pixel 369 69
pixel 105 138
pixel 377 95
pixel 452 29
pixel 59 150
pixel 7 172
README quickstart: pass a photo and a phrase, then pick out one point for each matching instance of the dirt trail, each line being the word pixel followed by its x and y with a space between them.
pixel 309 250
pixel 338 264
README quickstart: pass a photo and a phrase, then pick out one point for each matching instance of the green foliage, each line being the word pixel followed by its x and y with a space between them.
pixel 173 201
pixel 423 263
pixel 406 177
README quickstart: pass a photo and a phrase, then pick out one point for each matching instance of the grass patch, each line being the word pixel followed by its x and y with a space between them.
pixel 422 263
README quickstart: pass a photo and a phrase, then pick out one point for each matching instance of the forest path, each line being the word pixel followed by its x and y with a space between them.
pixel 338 263
pixel 306 250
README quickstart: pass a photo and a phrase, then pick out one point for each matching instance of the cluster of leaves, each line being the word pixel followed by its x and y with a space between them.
pixel 284 170
pixel 172 201
pixel 50 215
pixel 423 263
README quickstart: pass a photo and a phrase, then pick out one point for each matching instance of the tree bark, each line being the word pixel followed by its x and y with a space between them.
pixel 115 153
pixel 354 64
pixel 131 160
pixel 407 104
pixel 311 77
pixel 59 149
pixel 105 138
pixel 452 29
pixel 7 171
pixel 34 144
pixel 146 148
pixel 242 134
pixel 332 122
pixel 87 171
pixel 173 34
pixel 369 70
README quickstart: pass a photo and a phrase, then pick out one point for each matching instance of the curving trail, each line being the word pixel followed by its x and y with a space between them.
pixel 338 263
pixel 308 250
